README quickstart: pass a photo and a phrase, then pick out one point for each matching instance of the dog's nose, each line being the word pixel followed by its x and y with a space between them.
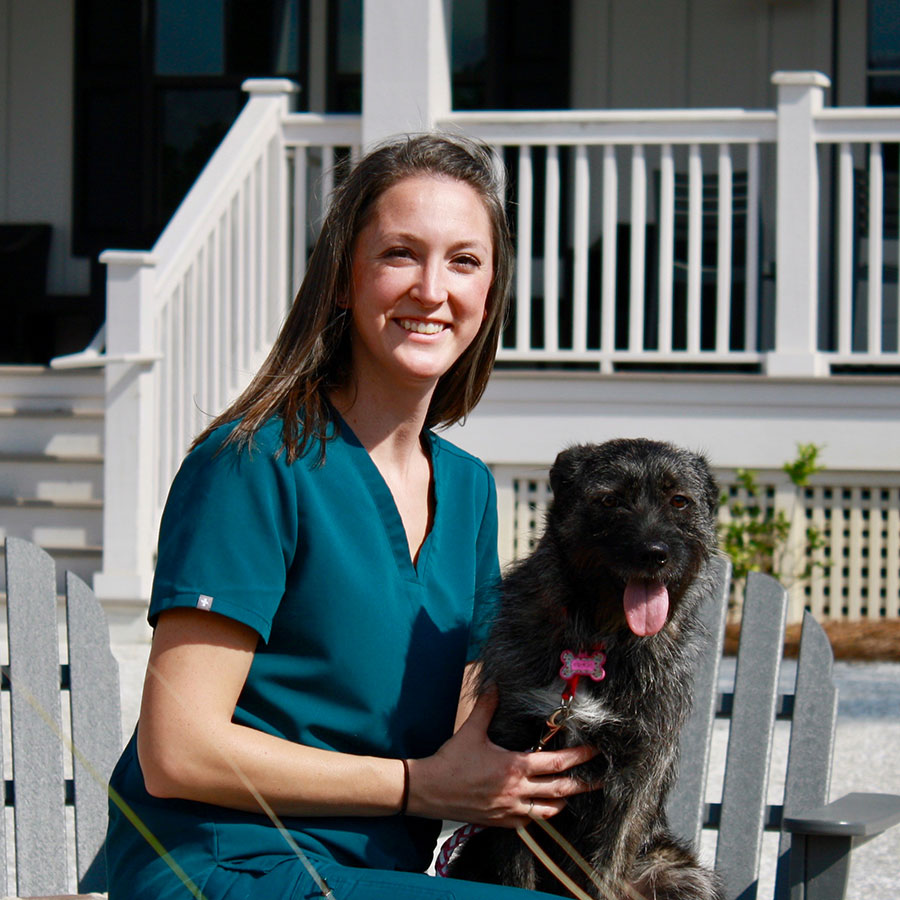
pixel 658 552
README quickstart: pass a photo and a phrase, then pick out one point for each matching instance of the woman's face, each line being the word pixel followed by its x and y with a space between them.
pixel 421 271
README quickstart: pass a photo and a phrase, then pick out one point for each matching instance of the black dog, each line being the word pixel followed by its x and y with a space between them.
pixel 612 592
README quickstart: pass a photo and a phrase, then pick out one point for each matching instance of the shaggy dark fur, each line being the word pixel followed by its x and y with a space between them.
pixel 623 562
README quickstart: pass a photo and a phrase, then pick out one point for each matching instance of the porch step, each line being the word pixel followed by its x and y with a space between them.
pixel 73 523
pixel 82 561
pixel 40 387
pixel 57 432
pixel 51 465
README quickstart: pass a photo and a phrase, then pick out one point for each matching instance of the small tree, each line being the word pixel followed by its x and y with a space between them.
pixel 756 535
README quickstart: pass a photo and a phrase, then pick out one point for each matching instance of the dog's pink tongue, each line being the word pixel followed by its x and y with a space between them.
pixel 646 606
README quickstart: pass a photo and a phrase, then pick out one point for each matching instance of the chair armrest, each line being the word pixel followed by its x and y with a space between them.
pixel 854 815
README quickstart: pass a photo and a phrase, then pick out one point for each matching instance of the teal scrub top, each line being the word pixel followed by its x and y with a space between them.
pixel 360 651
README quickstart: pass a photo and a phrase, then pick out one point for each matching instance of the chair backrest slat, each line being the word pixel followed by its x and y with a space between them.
pixel 750 740
pixel 686 802
pixel 4 886
pixel 40 825
pixel 97 739
pixel 812 737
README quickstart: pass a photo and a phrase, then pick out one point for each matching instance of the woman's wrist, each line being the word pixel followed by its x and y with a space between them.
pixel 404 797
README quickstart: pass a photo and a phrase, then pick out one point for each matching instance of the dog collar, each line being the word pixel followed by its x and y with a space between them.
pixel 575 665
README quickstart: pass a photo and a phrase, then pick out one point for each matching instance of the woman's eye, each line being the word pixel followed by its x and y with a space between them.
pixel 679 501
pixel 467 262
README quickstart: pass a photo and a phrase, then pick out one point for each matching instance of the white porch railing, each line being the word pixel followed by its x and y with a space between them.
pixel 679 238
pixel 189 322
pixel 658 245
pixel 610 285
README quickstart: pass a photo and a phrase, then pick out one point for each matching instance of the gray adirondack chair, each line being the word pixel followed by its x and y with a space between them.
pixel 816 837
pixel 40 791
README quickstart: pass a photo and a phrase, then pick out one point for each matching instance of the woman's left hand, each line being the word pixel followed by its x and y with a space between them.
pixel 472 779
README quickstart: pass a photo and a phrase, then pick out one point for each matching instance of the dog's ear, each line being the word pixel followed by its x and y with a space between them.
pixel 566 469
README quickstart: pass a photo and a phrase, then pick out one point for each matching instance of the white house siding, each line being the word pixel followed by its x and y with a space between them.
pixel 643 54
pixel 37 50
pixel 738 420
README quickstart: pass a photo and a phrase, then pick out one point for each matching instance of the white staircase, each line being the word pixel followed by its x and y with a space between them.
pixel 51 464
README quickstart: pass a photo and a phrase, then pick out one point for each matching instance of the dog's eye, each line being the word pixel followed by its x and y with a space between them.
pixel 679 501
pixel 609 501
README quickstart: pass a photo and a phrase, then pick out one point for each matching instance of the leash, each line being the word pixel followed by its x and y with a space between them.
pixel 575 665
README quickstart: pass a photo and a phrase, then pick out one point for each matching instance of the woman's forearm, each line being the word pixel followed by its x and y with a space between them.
pixel 189 746
pixel 235 766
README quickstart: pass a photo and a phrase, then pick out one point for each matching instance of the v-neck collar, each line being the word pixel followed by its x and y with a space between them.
pixel 387 506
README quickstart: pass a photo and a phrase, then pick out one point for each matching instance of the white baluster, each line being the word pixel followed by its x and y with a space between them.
pixel 551 250
pixel 523 250
pixel 666 246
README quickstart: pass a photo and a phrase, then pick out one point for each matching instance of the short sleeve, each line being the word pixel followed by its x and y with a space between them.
pixel 487 572
pixel 229 532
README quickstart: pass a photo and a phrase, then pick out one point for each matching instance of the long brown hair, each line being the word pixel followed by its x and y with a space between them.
pixel 311 355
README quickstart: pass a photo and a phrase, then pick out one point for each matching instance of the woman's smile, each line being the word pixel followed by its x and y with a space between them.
pixel 419 326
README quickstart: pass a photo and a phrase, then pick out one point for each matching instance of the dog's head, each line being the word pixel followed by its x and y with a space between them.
pixel 638 514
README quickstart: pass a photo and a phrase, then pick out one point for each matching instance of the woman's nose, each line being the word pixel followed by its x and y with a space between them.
pixel 430 287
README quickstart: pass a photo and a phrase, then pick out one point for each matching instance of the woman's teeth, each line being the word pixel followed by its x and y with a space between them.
pixel 421 327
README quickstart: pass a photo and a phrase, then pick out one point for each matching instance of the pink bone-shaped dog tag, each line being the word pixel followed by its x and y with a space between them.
pixel 590 664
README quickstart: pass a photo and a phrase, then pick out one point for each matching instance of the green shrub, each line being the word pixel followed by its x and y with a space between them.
pixel 756 536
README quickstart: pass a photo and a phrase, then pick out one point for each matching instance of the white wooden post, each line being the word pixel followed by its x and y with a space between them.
pixel 800 98
pixel 275 291
pixel 129 445
pixel 406 66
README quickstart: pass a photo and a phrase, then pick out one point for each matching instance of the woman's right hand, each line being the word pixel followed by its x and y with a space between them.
pixel 472 779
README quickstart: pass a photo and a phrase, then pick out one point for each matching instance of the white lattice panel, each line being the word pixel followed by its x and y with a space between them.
pixel 858 571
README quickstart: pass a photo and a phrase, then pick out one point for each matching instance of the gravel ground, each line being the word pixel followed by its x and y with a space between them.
pixel 866 758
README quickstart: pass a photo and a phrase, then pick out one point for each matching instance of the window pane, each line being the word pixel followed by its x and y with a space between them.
pixel 190 37
pixel 349 37
pixel 262 37
pixel 193 125
pixel 884 34
pixel 228 37
pixel 884 91
pixel 469 34
pixel 286 33
pixel 469 53
pixel 345 56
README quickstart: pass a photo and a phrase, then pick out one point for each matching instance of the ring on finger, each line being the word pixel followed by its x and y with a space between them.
pixel 530 807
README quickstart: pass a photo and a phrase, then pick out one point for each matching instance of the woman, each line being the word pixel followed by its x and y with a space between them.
pixel 324 576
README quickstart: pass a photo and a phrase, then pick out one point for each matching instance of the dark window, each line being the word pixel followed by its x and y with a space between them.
pixel 506 54
pixel 344 79
pixel 202 51
pixel 158 84
pixel 884 53
pixel 883 89
pixel 524 54
pixel 469 53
